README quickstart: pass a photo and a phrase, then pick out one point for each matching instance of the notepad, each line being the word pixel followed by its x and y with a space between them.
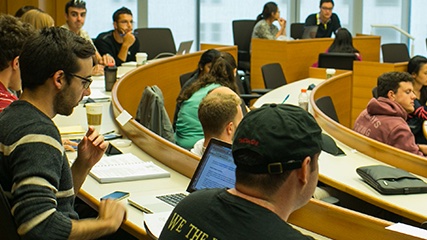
pixel 125 167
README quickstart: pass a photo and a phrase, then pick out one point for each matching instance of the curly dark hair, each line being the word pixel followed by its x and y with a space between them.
pixel 13 34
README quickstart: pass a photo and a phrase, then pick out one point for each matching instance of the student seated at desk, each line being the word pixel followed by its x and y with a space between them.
pixel 384 119
pixel 188 127
pixel 417 67
pixel 119 43
pixel 36 174
pixel 220 114
pixel 264 27
pixel 343 43
pixel 276 150
pixel 203 67
pixel 327 21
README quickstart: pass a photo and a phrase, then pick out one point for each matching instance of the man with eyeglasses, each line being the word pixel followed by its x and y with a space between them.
pixel 120 42
pixel 56 66
pixel 75 16
pixel 327 21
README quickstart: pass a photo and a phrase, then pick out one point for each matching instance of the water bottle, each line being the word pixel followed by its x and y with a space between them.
pixel 110 76
pixel 303 99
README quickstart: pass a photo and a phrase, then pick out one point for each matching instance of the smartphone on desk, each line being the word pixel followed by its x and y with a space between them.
pixel 116 195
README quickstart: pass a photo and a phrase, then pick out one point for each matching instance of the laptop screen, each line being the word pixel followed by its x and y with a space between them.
pixel 310 32
pixel 216 168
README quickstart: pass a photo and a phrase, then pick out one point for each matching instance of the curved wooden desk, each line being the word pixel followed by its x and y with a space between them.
pixel 297 56
pixel 164 73
pixel 343 132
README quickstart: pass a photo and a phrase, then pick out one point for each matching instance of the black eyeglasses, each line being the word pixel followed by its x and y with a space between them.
pixel 86 80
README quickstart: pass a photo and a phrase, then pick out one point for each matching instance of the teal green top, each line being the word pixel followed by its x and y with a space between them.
pixel 188 127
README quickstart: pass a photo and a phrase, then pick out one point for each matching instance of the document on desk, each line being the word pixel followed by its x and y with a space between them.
pixel 125 167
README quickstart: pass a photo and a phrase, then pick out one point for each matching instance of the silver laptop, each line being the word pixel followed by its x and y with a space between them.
pixel 184 47
pixel 309 32
pixel 216 169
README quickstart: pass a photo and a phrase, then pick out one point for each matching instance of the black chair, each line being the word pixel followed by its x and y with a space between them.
pixel 273 76
pixel 242 35
pixel 246 97
pixel 8 227
pixel 156 42
pixel 337 60
pixel 326 105
pixel 183 78
pixel 395 52
pixel 297 29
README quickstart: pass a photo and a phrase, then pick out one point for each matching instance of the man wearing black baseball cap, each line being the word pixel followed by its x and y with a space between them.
pixel 275 149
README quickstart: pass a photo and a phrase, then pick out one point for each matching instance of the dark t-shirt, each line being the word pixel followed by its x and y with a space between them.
pixel 217 214
pixel 324 30
pixel 105 43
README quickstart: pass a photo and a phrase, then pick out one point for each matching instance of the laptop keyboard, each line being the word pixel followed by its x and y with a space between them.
pixel 172 199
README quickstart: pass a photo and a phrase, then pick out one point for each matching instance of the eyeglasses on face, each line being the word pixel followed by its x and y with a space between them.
pixel 86 80
pixel 327 9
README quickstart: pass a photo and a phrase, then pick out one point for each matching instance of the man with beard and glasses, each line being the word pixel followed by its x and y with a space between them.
pixel 55 65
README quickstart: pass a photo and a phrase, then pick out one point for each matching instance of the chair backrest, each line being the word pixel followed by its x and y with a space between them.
pixel 395 52
pixel 242 36
pixel 273 75
pixel 183 78
pixel 8 227
pixel 326 105
pixel 151 113
pixel 156 42
pixel 297 29
pixel 337 60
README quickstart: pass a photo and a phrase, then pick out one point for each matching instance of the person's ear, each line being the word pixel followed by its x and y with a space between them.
pixel 414 75
pixel 229 128
pixel 305 170
pixel 390 95
pixel 235 72
pixel 15 63
pixel 59 79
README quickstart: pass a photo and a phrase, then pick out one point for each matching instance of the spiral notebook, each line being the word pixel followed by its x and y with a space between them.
pixel 125 167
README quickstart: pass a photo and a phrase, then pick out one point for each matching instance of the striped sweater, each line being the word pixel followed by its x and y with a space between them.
pixel 35 172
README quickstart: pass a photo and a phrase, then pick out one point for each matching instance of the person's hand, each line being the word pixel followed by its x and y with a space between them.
pixel 128 39
pixel 106 60
pixel 91 148
pixel 282 22
pixel 98 70
pixel 113 212
pixel 69 145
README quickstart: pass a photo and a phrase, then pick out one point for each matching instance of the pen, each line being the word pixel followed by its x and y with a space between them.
pixel 286 98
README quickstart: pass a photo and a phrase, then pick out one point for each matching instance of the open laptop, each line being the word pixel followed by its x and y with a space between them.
pixel 309 32
pixel 216 169
pixel 184 47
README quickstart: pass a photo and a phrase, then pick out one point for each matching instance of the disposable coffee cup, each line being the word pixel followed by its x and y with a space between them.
pixel 94 115
pixel 141 58
pixel 110 77
pixel 330 72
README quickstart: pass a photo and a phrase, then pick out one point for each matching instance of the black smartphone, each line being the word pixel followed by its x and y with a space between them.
pixel 116 195
pixel 111 136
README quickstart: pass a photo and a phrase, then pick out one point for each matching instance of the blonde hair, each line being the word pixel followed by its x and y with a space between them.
pixel 38 19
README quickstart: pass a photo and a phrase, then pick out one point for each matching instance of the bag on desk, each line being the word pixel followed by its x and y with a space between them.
pixel 391 181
